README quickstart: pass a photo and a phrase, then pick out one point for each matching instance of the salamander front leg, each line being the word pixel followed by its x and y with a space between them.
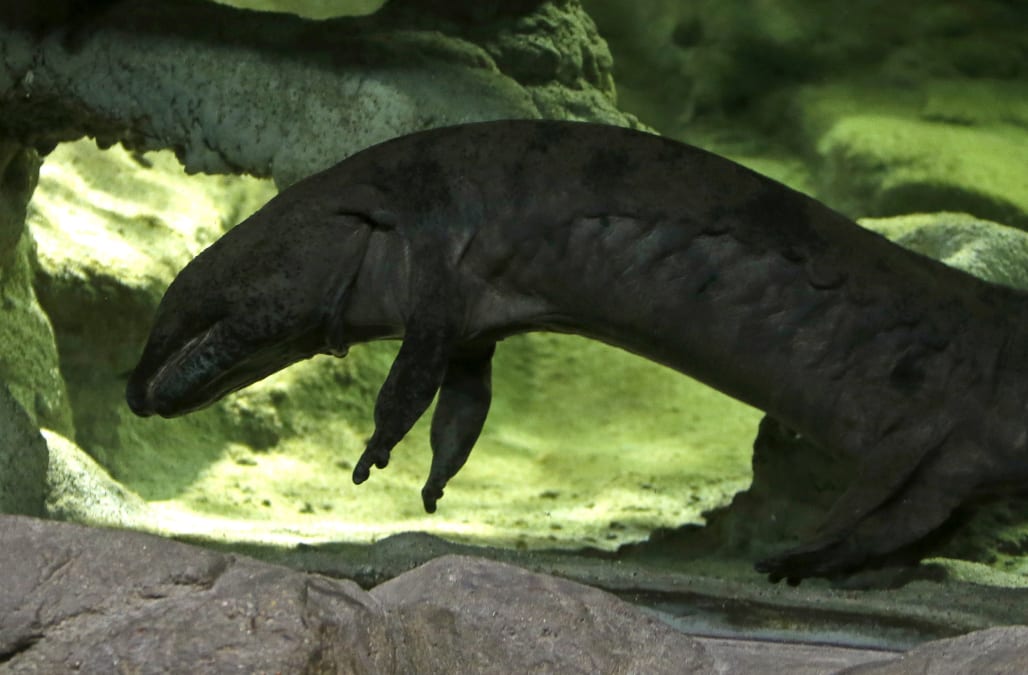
pixel 459 415
pixel 415 377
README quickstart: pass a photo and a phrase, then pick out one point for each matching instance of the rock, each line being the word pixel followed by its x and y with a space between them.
pixel 994 650
pixel 680 65
pixel 101 601
pixel 312 9
pixel 104 601
pixel 883 165
pixel 80 490
pixel 404 68
pixel 988 250
pixel 561 60
pixel 28 355
pixel 794 484
pixel 109 601
pixel 23 459
pixel 889 111
pixel 464 614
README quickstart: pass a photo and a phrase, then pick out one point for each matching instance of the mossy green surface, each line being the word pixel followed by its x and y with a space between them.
pixel 23 460
pixel 988 250
pixel 29 364
pixel 880 165
pixel 312 9
pixel 585 446
pixel 890 110
pixel 28 355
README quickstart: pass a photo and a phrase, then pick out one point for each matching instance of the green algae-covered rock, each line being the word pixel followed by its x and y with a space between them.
pixel 875 110
pixel 80 490
pixel 28 355
pixel 988 250
pixel 882 165
pixel 312 9
pixel 23 460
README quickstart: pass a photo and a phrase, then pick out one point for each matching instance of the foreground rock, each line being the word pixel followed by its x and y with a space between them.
pixel 996 650
pixel 471 615
pixel 113 601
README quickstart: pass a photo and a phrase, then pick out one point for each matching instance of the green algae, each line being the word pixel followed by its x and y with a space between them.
pixel 585 446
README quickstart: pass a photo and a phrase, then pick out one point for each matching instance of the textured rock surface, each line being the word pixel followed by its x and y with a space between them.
pixel 113 601
pixel 988 250
pixel 349 82
pixel 471 615
pixel 23 459
pixel 312 9
pixel 110 600
pixel 28 355
pixel 681 61
pixel 886 164
pixel 80 490
pixel 888 111
pixel 998 651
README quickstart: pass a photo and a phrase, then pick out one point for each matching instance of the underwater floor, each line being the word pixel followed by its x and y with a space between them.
pixel 605 457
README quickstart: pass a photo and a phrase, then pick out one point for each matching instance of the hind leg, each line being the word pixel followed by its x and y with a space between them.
pixel 881 475
pixel 921 505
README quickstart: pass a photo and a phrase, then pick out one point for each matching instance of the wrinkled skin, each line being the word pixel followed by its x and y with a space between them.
pixel 454 238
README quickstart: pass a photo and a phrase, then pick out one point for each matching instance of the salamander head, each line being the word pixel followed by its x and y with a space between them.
pixel 257 300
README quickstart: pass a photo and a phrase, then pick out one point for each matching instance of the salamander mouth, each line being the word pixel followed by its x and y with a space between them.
pixel 160 391
pixel 211 365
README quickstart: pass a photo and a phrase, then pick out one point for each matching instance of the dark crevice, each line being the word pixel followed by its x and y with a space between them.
pixel 21 645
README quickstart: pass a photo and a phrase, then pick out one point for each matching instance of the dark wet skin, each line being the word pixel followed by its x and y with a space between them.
pixel 454 238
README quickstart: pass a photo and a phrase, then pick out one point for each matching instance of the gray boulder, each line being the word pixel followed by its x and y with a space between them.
pixel 462 614
pixel 113 601
pixel 110 601
pixel 117 601
pixel 1002 650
